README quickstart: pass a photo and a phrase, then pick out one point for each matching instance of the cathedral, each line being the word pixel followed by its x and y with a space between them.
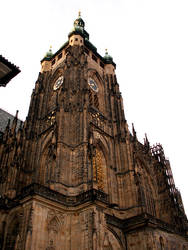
pixel 73 176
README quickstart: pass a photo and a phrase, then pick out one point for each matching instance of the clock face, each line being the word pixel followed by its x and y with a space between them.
pixel 93 85
pixel 58 82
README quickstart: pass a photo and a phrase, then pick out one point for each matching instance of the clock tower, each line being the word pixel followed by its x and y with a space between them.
pixel 74 176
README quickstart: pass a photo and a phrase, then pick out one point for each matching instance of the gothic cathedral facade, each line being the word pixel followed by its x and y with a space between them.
pixel 73 177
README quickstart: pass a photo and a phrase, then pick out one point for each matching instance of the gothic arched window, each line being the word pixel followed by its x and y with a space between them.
pixel 146 189
pixel 48 163
pixel 90 98
pixel 96 101
pixel 93 100
pixel 99 170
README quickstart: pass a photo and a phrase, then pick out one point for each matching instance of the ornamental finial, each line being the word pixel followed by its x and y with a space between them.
pixel 79 13
pixel 49 53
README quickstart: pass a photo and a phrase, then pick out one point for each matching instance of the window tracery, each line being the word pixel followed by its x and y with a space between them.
pixel 93 100
pixel 96 101
pixel 146 189
pixel 99 169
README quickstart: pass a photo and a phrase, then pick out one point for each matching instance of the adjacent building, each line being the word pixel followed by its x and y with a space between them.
pixel 7 71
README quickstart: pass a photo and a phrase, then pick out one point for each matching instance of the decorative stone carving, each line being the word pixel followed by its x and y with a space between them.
pixel 51 246
pixel 75 152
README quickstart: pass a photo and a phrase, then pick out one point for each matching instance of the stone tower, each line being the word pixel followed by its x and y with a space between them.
pixel 73 177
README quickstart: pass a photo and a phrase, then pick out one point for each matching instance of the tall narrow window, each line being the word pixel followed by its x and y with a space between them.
pixel 90 98
pixel 96 101
pixel 99 170
pixel 93 100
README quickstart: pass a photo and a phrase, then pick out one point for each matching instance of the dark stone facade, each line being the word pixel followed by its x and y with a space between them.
pixel 7 71
pixel 73 176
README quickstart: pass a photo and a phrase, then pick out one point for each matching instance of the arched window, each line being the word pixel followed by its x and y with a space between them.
pixel 52 103
pixel 99 170
pixel 150 204
pixel 47 171
pixel 90 98
pixel 93 100
pixel 147 191
pixel 96 101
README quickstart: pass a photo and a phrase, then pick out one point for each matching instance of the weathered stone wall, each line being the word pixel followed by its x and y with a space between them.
pixel 151 239
pixel 74 149
pixel 41 224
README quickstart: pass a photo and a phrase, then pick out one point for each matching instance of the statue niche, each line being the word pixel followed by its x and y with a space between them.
pixel 53 229
pixel 12 236
pixel 48 163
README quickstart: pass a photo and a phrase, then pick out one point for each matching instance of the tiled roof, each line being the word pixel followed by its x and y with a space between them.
pixel 4 116
pixel 7 71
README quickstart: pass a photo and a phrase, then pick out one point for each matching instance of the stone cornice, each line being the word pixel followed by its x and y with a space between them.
pixel 45 192
pixel 142 221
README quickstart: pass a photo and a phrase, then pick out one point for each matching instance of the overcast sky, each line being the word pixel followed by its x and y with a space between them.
pixel 148 41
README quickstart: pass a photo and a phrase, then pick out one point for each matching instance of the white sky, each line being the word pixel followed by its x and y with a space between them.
pixel 148 40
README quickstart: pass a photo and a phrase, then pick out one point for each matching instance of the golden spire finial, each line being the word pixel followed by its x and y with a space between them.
pixel 106 51
pixel 79 13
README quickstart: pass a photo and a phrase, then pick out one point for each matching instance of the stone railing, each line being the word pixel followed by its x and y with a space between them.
pixel 37 189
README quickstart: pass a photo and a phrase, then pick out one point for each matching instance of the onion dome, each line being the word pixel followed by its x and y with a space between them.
pixel 78 28
pixel 49 54
pixel 107 57
pixel 79 23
